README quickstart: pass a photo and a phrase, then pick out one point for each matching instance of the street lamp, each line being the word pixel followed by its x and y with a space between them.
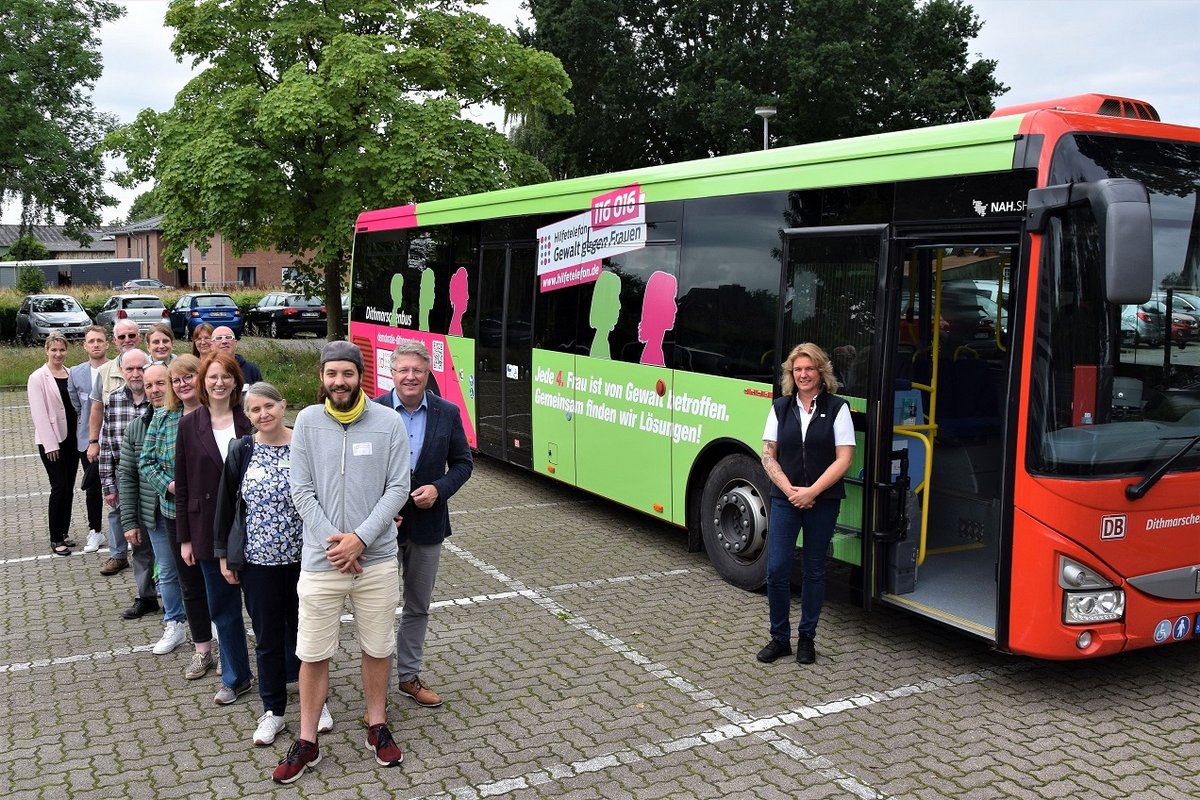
pixel 766 112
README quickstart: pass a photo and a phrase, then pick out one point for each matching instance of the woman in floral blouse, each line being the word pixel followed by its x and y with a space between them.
pixel 266 560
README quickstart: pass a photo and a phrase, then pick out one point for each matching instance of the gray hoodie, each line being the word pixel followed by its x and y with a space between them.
pixel 352 478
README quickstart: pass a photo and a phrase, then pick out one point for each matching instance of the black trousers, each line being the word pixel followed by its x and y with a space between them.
pixel 191 586
pixel 271 600
pixel 61 472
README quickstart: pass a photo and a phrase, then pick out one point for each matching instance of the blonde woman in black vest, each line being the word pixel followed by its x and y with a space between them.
pixel 808 444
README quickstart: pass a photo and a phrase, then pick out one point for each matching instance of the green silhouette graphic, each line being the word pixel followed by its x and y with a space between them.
pixel 426 299
pixel 606 307
pixel 397 298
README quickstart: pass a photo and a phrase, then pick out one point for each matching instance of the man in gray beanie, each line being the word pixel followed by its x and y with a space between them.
pixel 350 477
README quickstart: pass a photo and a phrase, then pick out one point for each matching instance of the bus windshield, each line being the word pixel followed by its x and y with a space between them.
pixel 1116 389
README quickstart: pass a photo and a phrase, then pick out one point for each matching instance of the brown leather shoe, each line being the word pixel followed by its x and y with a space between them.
pixel 113 565
pixel 420 693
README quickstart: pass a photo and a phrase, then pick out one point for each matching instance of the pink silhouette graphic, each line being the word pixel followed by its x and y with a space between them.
pixel 459 294
pixel 658 317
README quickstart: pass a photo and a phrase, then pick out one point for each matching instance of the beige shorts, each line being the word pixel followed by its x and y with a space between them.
pixel 374 596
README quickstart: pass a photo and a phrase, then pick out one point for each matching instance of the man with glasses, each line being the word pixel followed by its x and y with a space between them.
pixel 108 379
pixel 441 464
pixel 223 339
pixel 123 406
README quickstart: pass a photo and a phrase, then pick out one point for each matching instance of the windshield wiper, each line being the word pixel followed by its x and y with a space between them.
pixel 1139 489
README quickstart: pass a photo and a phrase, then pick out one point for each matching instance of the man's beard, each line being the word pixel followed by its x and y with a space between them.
pixel 349 404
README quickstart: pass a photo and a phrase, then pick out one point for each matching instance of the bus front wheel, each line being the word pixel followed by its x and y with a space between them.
pixel 733 521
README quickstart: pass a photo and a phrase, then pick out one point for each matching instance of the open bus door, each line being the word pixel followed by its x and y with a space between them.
pixel 504 353
pixel 941 434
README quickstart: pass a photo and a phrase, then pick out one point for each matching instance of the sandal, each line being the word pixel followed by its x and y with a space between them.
pixel 60 549
pixel 69 542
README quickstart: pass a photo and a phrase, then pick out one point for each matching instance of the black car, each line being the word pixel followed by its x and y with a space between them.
pixel 283 314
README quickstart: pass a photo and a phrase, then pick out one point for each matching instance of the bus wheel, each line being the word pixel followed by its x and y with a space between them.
pixel 733 521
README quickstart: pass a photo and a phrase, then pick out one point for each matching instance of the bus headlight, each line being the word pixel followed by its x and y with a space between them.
pixel 1088 597
pixel 1085 608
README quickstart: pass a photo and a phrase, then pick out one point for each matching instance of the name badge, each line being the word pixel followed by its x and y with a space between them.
pixel 362 448
pixel 255 474
pixel 285 463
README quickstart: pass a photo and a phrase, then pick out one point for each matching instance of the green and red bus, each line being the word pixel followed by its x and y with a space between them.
pixel 1027 460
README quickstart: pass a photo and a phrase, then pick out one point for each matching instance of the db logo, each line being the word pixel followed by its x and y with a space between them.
pixel 1112 526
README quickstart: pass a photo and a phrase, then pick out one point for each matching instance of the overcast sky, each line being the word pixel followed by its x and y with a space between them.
pixel 1043 49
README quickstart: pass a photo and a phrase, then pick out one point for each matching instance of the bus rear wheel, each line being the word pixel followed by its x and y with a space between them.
pixel 733 521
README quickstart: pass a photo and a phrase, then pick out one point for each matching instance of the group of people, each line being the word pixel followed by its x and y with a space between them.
pixel 219 505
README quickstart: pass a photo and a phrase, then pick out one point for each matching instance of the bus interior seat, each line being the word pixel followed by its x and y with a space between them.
pixel 967 407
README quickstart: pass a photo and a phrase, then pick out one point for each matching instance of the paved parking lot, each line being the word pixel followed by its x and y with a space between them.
pixel 582 653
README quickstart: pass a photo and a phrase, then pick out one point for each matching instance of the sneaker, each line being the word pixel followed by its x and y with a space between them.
pixel 113 565
pixel 269 726
pixel 387 752
pixel 325 723
pixel 774 650
pixel 300 756
pixel 806 653
pixel 227 694
pixel 199 666
pixel 421 694
pixel 94 540
pixel 174 634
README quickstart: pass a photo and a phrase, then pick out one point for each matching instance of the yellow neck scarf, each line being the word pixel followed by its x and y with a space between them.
pixel 346 417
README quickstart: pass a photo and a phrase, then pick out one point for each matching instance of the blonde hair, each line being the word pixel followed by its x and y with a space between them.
pixel 820 360
pixel 182 365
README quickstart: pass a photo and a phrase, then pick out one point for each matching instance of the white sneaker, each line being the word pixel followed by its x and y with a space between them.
pixel 325 723
pixel 94 540
pixel 269 726
pixel 174 634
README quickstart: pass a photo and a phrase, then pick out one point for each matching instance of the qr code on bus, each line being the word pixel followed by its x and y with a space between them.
pixel 439 356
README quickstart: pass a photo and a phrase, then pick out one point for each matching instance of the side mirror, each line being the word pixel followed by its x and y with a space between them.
pixel 1121 207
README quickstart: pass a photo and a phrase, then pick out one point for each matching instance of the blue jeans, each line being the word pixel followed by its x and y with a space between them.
pixel 117 546
pixel 168 578
pixel 274 607
pixel 225 608
pixel 785 523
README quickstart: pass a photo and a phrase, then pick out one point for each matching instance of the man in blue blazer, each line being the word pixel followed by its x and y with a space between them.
pixel 442 463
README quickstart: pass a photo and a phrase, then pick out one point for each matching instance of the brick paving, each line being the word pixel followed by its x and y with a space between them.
pixel 582 653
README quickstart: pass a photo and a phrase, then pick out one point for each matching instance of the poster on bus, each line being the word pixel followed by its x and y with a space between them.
pixel 571 251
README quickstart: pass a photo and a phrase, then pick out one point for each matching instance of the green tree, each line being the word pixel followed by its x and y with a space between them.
pixel 307 113
pixel 144 206
pixel 30 280
pixel 26 248
pixel 50 132
pixel 660 81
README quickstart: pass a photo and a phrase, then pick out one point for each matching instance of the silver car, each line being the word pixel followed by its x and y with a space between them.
pixel 42 314
pixel 144 309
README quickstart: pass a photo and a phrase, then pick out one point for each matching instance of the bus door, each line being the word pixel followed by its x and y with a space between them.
pixel 503 353
pixel 831 286
pixel 938 541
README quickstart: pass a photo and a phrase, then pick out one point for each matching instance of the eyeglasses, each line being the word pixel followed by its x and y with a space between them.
pixel 123 336
pixel 222 338
pixel 182 379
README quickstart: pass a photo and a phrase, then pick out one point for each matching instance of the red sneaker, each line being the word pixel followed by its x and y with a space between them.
pixel 387 752
pixel 300 756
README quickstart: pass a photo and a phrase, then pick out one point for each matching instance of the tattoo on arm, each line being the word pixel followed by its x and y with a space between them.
pixel 771 466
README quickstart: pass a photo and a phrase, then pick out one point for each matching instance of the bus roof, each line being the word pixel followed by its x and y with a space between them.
pixel 960 148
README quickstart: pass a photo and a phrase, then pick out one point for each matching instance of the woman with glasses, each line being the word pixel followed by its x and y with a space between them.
pixel 55 412
pixel 202 343
pixel 200 451
pixel 156 465
pixel 161 343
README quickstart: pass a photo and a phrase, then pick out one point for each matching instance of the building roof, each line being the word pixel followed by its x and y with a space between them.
pixel 141 226
pixel 56 241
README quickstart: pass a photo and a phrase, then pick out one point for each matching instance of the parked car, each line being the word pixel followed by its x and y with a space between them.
pixel 144 283
pixel 1141 326
pixel 1185 315
pixel 41 314
pixel 144 309
pixel 1184 328
pixel 284 314
pixel 197 308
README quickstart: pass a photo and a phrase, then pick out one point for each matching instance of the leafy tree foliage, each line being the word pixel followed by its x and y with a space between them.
pixel 658 81
pixel 144 206
pixel 49 130
pixel 307 113
pixel 26 248
pixel 30 280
